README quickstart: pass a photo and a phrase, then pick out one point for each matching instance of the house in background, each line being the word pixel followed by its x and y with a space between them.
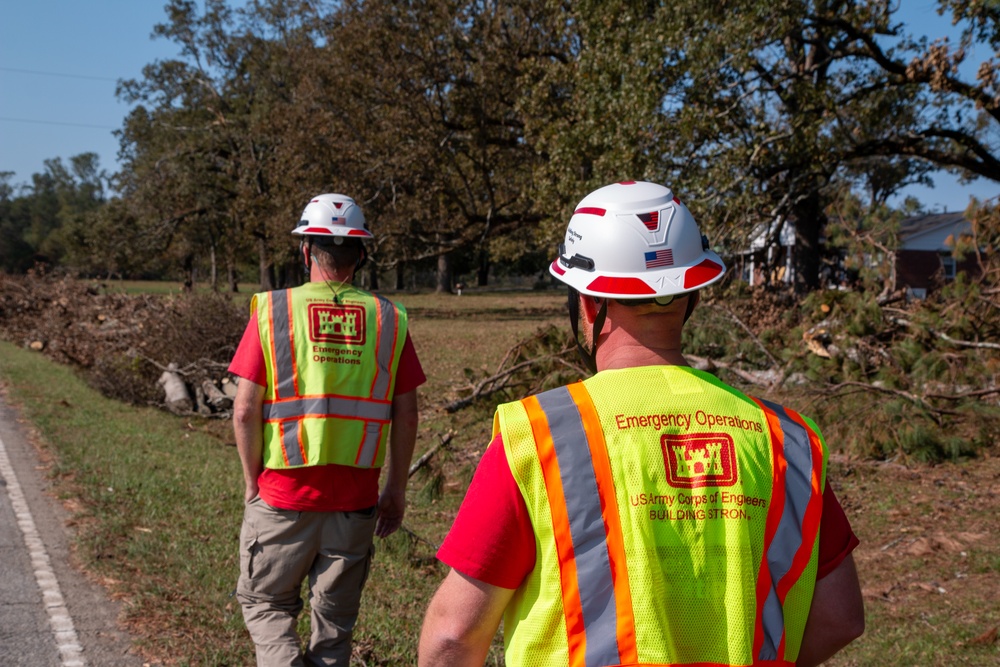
pixel 924 260
pixel 769 251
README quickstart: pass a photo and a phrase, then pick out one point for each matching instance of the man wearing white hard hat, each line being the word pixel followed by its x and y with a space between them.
pixel 328 387
pixel 651 514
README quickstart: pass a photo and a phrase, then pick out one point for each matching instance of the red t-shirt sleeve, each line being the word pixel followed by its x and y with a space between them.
pixel 836 538
pixel 492 539
pixel 409 372
pixel 248 362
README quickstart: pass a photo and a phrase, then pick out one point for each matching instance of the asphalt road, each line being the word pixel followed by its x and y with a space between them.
pixel 50 614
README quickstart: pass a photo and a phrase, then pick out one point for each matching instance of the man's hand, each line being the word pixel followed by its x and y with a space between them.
pixel 391 507
pixel 251 491
pixel 402 439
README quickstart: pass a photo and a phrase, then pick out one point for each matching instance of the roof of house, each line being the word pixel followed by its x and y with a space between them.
pixel 924 224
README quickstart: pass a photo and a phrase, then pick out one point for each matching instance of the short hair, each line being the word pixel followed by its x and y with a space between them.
pixel 336 256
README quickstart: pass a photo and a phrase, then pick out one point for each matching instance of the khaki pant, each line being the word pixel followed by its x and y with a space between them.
pixel 278 550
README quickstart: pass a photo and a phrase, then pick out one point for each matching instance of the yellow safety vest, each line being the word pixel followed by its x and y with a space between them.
pixel 676 522
pixel 331 363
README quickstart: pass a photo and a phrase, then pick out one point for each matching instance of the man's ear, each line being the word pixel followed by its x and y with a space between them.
pixel 589 308
pixel 306 251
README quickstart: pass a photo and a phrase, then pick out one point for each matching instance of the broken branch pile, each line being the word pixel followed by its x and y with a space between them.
pixel 170 351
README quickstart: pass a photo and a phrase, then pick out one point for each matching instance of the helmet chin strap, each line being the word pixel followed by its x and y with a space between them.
pixel 589 356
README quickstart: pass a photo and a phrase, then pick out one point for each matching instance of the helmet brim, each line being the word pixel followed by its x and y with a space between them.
pixel 674 280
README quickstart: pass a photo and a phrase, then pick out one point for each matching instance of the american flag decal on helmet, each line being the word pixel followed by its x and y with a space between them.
pixel 651 220
pixel 659 258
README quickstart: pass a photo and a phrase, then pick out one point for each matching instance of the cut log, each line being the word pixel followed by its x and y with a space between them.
pixel 229 387
pixel 178 398
pixel 199 399
pixel 214 396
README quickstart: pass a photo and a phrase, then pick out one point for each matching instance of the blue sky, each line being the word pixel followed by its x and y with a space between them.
pixel 60 60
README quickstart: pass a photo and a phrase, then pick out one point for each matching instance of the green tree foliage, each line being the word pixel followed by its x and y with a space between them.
pixel 37 219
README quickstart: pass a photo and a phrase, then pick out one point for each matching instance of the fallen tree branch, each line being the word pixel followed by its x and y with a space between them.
pixel 760 378
pixel 429 454
pixel 946 337
pixel 742 325
pixel 896 392
pixel 967 394
pixel 498 381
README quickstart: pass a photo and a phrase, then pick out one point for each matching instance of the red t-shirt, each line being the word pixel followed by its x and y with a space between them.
pixel 328 488
pixel 492 539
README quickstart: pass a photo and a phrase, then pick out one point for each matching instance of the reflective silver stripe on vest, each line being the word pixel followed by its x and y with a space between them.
pixel 583 506
pixel 327 406
pixel 386 345
pixel 788 536
pixel 369 446
pixel 284 370
pixel 290 442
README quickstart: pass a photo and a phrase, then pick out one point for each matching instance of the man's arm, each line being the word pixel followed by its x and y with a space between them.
pixel 248 426
pixel 461 622
pixel 837 615
pixel 402 439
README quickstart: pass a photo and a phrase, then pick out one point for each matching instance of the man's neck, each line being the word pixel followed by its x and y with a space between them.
pixel 634 355
pixel 318 274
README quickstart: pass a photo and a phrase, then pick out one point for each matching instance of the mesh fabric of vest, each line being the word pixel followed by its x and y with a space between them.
pixel 326 440
pixel 692 573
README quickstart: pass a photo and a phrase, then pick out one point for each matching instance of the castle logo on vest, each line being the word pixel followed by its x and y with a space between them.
pixel 336 324
pixel 699 459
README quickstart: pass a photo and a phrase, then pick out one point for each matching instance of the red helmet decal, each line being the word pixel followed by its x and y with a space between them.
pixel 558 269
pixel 700 274
pixel 358 232
pixel 316 230
pixel 620 285
pixel 591 210
pixel 626 182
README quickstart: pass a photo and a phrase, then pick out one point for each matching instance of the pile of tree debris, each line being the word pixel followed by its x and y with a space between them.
pixel 171 351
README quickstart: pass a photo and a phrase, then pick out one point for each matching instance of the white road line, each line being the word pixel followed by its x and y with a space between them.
pixel 70 651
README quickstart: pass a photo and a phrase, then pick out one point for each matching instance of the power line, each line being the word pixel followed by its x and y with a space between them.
pixel 56 122
pixel 62 74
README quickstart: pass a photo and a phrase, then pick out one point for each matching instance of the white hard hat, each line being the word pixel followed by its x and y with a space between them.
pixel 635 240
pixel 332 215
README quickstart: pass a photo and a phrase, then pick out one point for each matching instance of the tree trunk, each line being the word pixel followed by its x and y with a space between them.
pixel 444 274
pixel 265 266
pixel 215 268
pixel 188 273
pixel 809 222
pixel 483 274
pixel 231 273
pixel 400 275
pixel 372 273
